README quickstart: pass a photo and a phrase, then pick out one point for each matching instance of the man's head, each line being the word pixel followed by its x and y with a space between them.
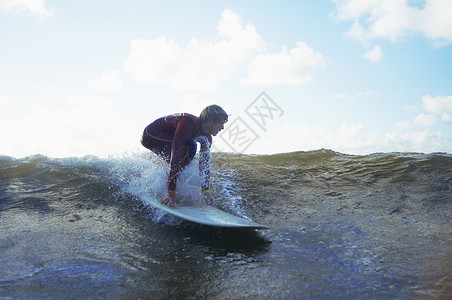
pixel 212 119
pixel 214 113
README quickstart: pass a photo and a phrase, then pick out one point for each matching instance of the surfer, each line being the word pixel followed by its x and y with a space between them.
pixel 174 139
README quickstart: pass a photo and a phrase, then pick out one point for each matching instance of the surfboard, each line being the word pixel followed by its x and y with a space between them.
pixel 204 214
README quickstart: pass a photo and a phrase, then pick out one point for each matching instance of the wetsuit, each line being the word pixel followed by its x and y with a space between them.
pixel 174 138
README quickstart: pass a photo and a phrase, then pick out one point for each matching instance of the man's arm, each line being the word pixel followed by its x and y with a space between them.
pixel 179 153
pixel 204 169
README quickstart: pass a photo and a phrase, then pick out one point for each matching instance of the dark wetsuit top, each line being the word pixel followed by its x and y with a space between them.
pixel 171 138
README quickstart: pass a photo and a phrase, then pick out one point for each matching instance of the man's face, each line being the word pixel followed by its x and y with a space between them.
pixel 216 127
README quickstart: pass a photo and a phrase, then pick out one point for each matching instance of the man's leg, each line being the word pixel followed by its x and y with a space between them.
pixel 162 149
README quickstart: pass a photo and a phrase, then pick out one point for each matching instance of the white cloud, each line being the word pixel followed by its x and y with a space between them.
pixel 78 125
pixel 347 138
pixel 418 141
pixel 201 65
pixel 411 108
pixel 205 65
pixel 88 103
pixel 364 94
pixel 435 21
pixel 37 7
pixel 374 55
pixel 425 120
pixel 352 139
pixel 402 125
pixel 356 136
pixel 394 19
pixel 342 96
pixel 358 32
pixel 438 104
pixel 350 96
pixel 192 103
pixel 433 106
pixel 447 117
pixel 107 82
pixel 290 67
pixel 3 100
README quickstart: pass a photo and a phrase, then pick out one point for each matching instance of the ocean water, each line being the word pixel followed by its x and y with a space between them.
pixel 341 227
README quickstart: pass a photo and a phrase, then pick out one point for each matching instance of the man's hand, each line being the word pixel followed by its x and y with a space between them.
pixel 170 199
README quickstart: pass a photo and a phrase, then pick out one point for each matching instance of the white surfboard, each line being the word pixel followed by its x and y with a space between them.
pixel 207 215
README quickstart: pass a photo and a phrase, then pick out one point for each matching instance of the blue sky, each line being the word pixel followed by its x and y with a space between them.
pixel 354 76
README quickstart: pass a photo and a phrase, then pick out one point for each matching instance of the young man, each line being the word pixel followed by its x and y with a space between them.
pixel 174 139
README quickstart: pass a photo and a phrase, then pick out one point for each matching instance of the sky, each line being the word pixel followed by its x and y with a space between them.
pixel 355 76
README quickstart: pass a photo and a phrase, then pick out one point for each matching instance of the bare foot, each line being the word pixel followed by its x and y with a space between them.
pixel 170 199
